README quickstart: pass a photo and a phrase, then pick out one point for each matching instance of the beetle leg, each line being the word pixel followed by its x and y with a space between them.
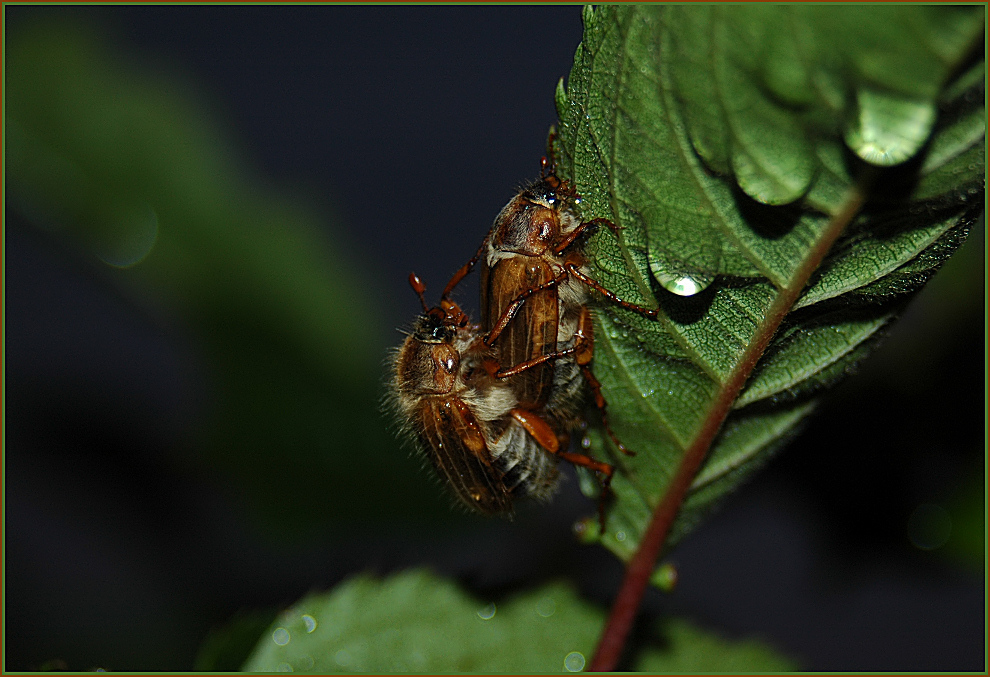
pixel 581 229
pixel 601 404
pixel 541 431
pixel 651 313
pixel 537 428
pixel 535 362
pixel 585 343
pixel 465 269
pixel 513 308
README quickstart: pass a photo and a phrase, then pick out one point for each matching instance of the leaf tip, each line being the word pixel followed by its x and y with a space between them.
pixel 560 98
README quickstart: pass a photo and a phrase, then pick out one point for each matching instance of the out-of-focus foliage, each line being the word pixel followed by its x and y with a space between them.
pixel 967 509
pixel 126 164
pixel 226 647
pixel 417 622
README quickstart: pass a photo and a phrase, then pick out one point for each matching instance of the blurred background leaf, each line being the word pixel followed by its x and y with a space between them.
pixel 417 622
pixel 227 646
pixel 130 167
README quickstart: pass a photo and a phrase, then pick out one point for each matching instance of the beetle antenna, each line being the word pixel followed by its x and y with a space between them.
pixel 419 288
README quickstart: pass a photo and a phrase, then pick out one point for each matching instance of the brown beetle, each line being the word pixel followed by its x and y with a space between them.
pixel 534 296
pixel 451 395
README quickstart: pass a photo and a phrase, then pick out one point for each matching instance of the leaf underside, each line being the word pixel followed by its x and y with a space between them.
pixel 418 622
pixel 722 140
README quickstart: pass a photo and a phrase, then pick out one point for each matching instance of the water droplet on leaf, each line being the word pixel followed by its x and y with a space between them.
pixel 574 661
pixel 546 607
pixel 889 129
pixel 679 280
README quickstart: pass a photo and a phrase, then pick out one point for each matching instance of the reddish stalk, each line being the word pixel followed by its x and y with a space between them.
pixel 642 563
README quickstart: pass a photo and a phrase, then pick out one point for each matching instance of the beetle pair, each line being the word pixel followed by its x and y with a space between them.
pixel 493 405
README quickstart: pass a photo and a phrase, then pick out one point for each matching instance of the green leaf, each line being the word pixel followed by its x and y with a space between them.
pixel 690 650
pixel 418 622
pixel 726 141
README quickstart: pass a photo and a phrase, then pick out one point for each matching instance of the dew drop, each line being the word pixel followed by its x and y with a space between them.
pixel 574 661
pixel 620 536
pixel 889 129
pixel 579 528
pixel 488 612
pixel 283 667
pixel 665 577
pixel 678 280
pixel 546 607
pixel 309 622
pixel 687 285
pixel 281 636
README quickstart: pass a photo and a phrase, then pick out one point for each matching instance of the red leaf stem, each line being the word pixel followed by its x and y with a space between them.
pixel 643 561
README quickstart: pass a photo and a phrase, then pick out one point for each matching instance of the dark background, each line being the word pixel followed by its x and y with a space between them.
pixel 406 129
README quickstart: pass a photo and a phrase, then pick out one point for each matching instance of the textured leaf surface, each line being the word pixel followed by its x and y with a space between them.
pixel 723 140
pixel 418 622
